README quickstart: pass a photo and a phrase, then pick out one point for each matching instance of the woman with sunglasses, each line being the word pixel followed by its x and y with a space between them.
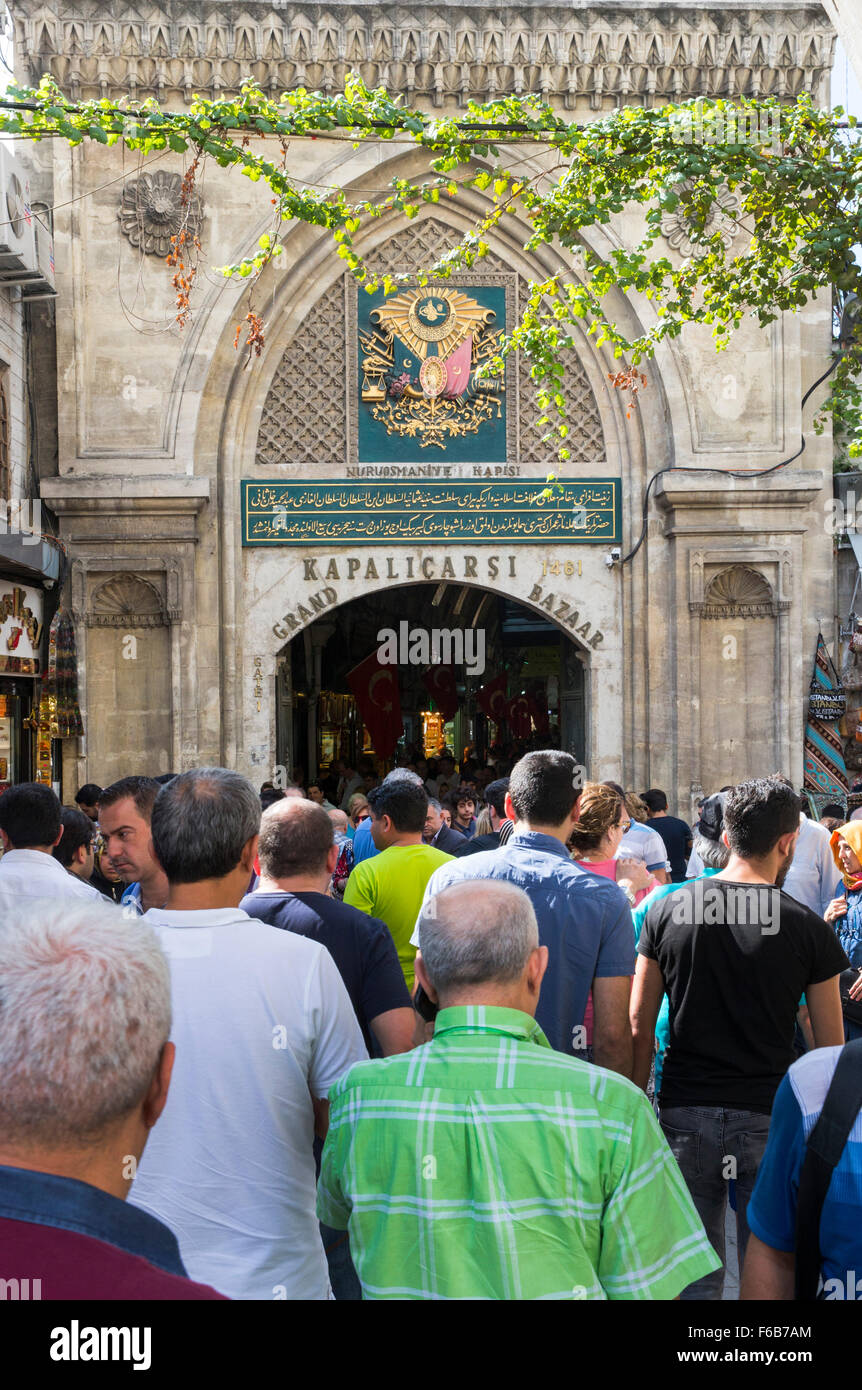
pixel 594 841
pixel 358 810
pixel 596 838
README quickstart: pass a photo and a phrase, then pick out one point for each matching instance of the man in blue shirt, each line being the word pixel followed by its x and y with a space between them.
pixel 770 1261
pixel 584 920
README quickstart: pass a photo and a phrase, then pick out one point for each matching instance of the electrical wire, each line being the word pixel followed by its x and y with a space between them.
pixel 727 472
pixel 481 128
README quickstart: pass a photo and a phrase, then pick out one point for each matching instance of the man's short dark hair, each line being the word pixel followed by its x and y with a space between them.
pixel 30 815
pixel 78 830
pixel 655 800
pixel 403 800
pixel 757 814
pixel 201 822
pixel 142 790
pixel 544 787
pixel 269 796
pixel 495 795
pixel 801 798
pixel 295 844
pixel 164 777
pixel 89 794
pixel 833 810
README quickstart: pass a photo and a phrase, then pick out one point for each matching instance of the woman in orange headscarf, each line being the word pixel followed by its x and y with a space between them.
pixel 845 913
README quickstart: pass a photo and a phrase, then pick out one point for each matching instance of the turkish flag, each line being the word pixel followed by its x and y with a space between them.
pixel 518 715
pixel 458 368
pixel 376 689
pixel 439 681
pixel 539 710
pixel 492 698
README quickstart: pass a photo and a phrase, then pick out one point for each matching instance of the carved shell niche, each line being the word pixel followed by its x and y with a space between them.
pixel 126 600
pixel 738 591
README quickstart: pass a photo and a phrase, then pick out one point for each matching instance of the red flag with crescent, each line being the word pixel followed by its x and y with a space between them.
pixel 492 698
pixel 458 368
pixel 538 707
pixel 376 689
pixel 518 715
pixel 439 681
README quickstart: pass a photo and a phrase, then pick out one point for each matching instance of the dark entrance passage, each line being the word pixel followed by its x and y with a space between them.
pixel 319 719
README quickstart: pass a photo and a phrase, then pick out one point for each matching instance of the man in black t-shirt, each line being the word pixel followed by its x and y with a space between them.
pixel 734 955
pixel 298 854
pixel 676 833
pixel 297 857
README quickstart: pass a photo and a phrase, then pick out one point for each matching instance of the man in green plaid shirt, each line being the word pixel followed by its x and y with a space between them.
pixel 486 1165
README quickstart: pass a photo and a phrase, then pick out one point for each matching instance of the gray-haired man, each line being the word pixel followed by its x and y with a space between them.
pixel 431 1158
pixel 263 1023
pixel 438 833
pixel 86 1065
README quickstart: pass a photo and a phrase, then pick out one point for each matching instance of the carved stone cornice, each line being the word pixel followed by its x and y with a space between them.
pixel 587 58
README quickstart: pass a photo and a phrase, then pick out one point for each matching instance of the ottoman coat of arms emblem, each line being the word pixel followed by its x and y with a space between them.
pixel 419 361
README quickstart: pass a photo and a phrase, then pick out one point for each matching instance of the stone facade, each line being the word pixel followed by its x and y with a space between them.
pixel 707 633
pixel 581 55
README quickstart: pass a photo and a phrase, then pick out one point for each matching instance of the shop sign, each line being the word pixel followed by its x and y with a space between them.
pixel 20 629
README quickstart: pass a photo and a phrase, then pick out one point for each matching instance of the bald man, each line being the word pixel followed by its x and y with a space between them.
pixel 297 856
pixel 486 1164
pixel 339 825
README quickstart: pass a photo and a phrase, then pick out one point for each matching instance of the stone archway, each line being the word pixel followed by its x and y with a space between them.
pixel 478 630
pixel 293 592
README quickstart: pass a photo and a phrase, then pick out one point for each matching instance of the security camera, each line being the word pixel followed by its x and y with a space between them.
pixel 613 557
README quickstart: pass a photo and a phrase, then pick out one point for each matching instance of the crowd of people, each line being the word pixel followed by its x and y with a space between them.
pixel 488 1033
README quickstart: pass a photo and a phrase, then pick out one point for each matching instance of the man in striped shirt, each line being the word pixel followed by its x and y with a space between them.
pixel 486 1165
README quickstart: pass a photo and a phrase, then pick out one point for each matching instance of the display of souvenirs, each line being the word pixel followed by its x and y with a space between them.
pixel 59 715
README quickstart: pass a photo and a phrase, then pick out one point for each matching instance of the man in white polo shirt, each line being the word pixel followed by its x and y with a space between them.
pixel 263 1027
pixel 30 825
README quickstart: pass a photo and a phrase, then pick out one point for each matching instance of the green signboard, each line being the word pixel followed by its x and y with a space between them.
pixel 586 511
pixel 418 393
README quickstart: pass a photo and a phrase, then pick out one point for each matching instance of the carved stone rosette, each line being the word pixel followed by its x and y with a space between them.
pixel 151 212
pixel 678 227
